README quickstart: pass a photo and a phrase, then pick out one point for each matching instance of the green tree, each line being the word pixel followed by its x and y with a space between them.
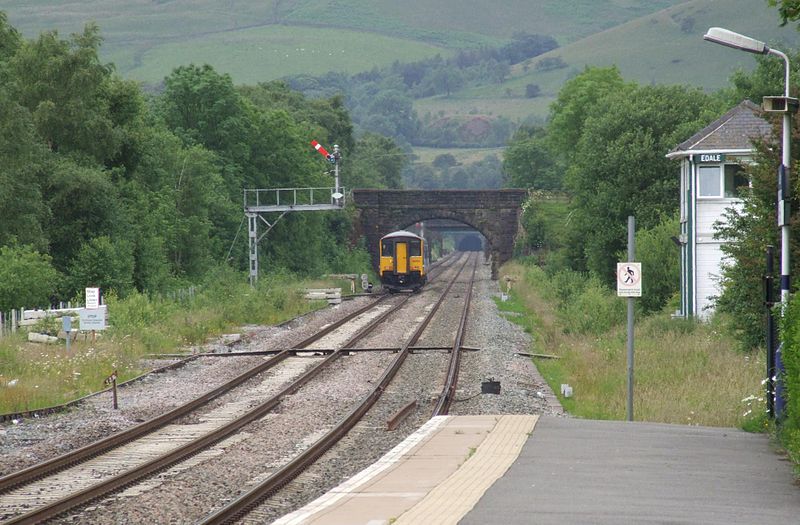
pixel 447 79
pixel 27 278
pixel 766 79
pixel 65 87
pixel 202 107
pixel 10 39
pixel 788 9
pixel 619 166
pixel 376 162
pixel 103 263
pixel 83 203
pixel 575 100
pixel 22 211
pixel 527 162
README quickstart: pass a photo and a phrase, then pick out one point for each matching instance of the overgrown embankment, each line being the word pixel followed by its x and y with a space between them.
pixel 34 376
pixel 686 372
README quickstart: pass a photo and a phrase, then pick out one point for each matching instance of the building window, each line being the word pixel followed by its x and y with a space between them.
pixel 719 181
pixel 708 181
pixel 735 181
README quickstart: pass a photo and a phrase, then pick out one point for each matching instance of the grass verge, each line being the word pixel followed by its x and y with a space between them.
pixel 685 372
pixel 34 375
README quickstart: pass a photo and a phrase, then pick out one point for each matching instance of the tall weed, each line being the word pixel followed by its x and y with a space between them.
pixel 685 372
pixel 33 376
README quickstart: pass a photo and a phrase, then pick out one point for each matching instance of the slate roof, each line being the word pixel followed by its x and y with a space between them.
pixel 732 131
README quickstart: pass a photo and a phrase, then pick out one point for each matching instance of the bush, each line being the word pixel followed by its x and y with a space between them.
pixel 103 263
pixel 27 278
pixel 660 260
pixel 584 304
pixel 594 310
pixel 790 330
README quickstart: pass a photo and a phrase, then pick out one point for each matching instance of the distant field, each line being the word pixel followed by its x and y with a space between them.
pixel 462 155
pixel 266 53
pixel 651 41
pixel 453 20
pixel 515 108
pixel 664 48
pixel 148 38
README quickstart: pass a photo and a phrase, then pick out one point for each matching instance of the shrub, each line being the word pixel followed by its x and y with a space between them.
pixel 660 260
pixel 27 278
pixel 593 310
pixel 790 330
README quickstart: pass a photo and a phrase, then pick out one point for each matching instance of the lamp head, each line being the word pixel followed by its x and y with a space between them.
pixel 725 37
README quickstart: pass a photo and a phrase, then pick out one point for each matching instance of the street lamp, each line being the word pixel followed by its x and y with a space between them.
pixel 785 105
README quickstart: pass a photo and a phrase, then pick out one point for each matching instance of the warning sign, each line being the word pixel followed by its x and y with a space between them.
pixel 629 279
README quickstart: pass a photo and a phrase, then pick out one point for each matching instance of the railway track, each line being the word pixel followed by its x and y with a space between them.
pixel 247 507
pixel 215 427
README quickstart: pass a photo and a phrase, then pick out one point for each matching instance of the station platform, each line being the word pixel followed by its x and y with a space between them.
pixel 522 469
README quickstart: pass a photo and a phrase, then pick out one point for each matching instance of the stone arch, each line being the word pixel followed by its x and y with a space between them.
pixel 494 213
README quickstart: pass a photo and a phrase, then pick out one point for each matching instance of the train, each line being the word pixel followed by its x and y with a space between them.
pixel 404 261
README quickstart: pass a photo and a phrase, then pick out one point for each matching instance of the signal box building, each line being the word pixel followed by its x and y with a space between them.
pixel 711 181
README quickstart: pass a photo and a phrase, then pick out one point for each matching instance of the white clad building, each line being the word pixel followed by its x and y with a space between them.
pixel 711 180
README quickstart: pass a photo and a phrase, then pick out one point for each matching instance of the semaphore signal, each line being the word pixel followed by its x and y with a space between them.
pixel 322 151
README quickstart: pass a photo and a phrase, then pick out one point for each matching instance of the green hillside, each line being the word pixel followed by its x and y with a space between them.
pixel 250 39
pixel 651 41
pixel 262 53
pixel 663 48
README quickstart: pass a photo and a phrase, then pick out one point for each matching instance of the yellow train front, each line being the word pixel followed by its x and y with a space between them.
pixel 403 261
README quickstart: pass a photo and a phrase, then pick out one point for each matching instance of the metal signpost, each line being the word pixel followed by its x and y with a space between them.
pixel 629 284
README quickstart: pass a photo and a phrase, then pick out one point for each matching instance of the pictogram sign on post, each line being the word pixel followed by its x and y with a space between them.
pixel 629 279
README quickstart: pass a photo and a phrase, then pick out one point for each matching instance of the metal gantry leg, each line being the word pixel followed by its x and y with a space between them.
pixel 258 202
pixel 252 237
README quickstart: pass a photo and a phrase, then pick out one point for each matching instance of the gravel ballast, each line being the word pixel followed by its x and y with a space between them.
pixel 188 492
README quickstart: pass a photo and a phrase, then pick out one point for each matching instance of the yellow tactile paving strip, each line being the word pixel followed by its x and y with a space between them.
pixel 435 476
pixel 451 500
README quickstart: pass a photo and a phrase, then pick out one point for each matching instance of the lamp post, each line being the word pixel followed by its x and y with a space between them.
pixel 785 105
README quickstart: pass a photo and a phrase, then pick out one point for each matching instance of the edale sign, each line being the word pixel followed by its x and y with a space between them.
pixel 710 158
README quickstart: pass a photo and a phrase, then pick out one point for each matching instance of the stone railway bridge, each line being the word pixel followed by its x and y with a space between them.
pixel 494 213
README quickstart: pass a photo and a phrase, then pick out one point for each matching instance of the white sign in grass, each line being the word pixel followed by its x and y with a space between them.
pixel 92 318
pixel 93 298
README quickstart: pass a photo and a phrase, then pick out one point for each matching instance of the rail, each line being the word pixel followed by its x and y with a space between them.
pixel 449 390
pixel 249 500
pixel 74 457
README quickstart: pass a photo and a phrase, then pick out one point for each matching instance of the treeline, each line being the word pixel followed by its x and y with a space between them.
pixel 381 100
pixel 601 157
pixel 104 185
pixel 446 172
